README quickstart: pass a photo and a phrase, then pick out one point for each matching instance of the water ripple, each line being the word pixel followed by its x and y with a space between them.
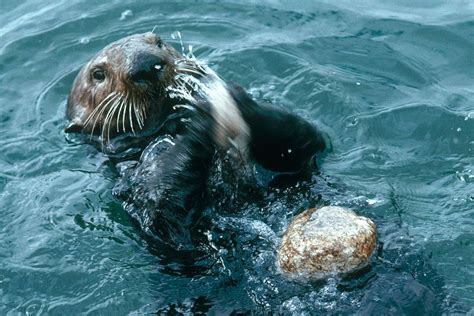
pixel 390 83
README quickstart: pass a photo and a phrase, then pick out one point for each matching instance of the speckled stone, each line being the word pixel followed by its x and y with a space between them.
pixel 328 240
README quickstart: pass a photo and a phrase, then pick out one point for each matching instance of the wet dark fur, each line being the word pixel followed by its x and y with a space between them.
pixel 168 187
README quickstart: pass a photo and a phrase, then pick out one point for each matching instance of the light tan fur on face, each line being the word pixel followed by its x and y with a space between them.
pixel 116 104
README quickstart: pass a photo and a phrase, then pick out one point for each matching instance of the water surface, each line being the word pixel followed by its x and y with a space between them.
pixel 391 82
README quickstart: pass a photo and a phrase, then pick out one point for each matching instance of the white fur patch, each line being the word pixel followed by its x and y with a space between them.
pixel 231 129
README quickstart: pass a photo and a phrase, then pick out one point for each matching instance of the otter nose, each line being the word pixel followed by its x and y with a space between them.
pixel 73 127
pixel 146 67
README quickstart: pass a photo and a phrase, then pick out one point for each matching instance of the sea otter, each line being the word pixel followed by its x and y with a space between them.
pixel 139 91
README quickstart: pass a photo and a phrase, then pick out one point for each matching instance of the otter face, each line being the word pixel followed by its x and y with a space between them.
pixel 123 88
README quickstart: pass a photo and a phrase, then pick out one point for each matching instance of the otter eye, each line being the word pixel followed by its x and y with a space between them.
pixel 98 74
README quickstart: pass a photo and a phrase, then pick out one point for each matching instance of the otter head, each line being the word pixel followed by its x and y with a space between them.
pixel 122 90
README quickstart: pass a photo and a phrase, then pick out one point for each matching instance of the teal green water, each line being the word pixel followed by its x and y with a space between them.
pixel 391 82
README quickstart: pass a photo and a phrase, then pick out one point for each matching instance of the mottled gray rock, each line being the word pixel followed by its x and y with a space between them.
pixel 327 240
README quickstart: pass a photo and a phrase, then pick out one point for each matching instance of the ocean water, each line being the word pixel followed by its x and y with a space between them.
pixel 392 84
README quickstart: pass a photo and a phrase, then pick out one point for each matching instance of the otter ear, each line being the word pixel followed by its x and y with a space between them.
pixel 73 127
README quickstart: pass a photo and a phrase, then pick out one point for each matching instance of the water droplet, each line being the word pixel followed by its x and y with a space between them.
pixel 175 35
pixel 125 14
pixel 354 121
pixel 223 252
pixel 33 309
pixel 371 201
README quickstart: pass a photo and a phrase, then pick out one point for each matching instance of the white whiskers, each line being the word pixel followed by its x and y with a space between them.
pixel 123 108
